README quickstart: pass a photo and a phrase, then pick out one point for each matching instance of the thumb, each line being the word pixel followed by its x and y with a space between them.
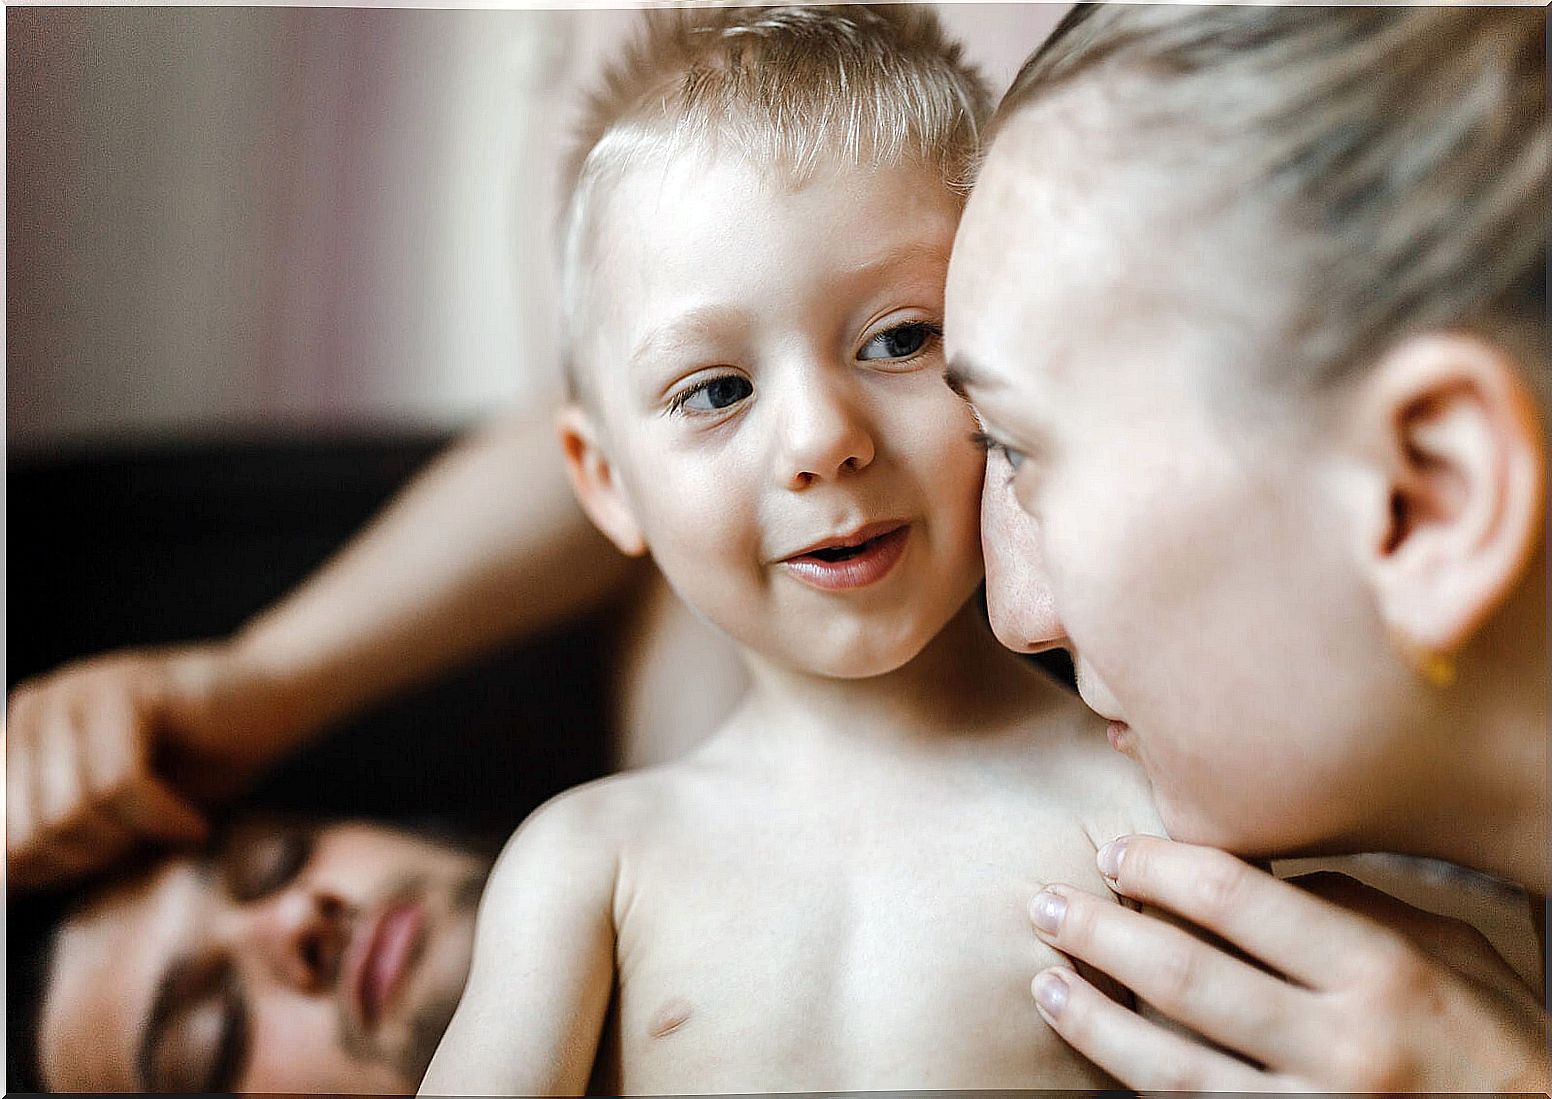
pixel 154 810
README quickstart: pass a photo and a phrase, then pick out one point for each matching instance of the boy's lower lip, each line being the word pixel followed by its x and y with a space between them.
pixel 871 564
pixel 1119 734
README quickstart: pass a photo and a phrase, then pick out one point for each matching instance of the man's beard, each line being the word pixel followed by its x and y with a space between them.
pixel 430 1019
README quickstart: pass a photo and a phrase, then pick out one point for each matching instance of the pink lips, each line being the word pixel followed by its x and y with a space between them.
pixel 853 561
pixel 1119 735
pixel 380 966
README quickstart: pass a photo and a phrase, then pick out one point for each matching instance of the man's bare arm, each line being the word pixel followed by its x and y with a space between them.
pixel 486 544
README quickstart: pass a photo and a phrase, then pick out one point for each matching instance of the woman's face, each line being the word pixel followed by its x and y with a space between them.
pixel 1186 541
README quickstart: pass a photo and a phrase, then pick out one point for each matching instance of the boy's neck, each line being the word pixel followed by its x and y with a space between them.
pixel 963 682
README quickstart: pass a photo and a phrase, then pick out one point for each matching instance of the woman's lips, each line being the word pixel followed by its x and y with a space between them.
pixel 1119 734
pixel 868 562
pixel 391 945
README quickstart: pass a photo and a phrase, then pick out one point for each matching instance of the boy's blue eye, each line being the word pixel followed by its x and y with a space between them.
pixel 713 395
pixel 900 342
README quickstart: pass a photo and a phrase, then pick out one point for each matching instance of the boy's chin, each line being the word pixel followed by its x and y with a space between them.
pixel 862 662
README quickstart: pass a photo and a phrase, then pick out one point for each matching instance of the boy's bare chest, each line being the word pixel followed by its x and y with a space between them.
pixel 828 949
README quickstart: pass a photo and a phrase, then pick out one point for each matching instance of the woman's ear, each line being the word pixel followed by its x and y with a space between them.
pixel 593 480
pixel 1458 438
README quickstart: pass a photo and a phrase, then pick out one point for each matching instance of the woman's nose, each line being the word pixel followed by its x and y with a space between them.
pixel 1019 600
pixel 824 432
pixel 298 935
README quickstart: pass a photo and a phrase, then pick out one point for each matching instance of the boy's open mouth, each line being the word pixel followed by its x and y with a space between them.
pixel 842 553
pixel 853 561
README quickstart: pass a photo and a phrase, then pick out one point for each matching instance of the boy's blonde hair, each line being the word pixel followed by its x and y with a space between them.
pixel 783 87
pixel 1402 154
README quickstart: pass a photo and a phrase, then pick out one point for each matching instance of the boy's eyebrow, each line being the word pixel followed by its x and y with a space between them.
pixel 702 320
pixel 912 252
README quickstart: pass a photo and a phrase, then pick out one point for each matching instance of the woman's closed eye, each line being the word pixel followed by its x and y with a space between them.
pixel 991 445
pixel 902 342
pixel 715 394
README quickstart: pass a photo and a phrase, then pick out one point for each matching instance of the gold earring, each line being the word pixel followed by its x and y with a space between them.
pixel 1437 668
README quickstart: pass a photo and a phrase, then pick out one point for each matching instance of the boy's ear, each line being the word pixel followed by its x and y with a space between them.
pixel 1457 437
pixel 593 480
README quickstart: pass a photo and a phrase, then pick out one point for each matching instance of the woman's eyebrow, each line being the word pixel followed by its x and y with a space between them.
pixel 961 375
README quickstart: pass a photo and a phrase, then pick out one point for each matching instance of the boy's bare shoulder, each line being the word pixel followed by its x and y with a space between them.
pixel 601 813
pixel 599 818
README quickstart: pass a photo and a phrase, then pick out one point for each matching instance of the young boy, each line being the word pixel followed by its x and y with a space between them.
pixel 830 894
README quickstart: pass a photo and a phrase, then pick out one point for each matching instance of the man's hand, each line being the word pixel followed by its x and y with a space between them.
pixel 113 750
pixel 1351 1005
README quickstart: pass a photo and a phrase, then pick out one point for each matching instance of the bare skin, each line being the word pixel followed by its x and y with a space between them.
pixel 487 544
pixel 816 904
pixel 1313 554
pixel 826 895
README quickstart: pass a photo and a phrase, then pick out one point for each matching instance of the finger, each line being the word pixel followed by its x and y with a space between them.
pixel 152 809
pixel 57 766
pixel 1223 998
pixel 68 838
pixel 1311 940
pixel 1135 1051
pixel 53 858
pixel 111 741
pixel 19 809
pixel 1454 942
pixel 92 838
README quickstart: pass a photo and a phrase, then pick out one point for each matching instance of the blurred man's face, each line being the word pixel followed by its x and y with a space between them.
pixel 313 958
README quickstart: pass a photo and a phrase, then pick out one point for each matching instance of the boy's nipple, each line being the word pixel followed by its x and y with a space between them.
pixel 669 1018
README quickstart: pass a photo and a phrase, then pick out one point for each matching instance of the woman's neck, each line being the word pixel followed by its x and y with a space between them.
pixel 1491 783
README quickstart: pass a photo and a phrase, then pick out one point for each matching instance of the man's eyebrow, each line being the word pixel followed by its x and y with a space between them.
pixel 170 995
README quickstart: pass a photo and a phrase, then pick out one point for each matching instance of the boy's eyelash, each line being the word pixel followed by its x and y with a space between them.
pixel 934 334
pixel 677 402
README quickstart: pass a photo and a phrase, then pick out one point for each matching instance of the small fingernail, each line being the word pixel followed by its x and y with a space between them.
pixel 1051 993
pixel 1047 910
pixel 1109 858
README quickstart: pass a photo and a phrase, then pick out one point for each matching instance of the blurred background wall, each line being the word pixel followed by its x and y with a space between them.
pixel 304 220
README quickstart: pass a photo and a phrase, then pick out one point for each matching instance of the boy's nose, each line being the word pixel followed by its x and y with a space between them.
pixel 1019 600
pixel 824 434
pixel 298 936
